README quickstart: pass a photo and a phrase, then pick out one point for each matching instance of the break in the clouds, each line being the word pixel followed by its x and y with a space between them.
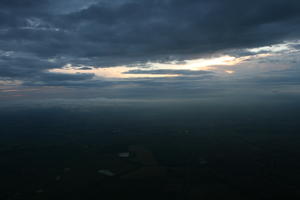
pixel 88 42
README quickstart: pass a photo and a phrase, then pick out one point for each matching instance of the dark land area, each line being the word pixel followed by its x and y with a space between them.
pixel 150 152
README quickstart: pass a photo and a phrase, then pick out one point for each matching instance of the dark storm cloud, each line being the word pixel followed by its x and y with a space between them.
pixel 23 67
pixel 85 68
pixel 58 79
pixel 65 77
pixel 31 69
pixel 108 33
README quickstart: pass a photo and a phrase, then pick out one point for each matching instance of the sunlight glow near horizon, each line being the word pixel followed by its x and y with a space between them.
pixel 222 65
pixel 120 71
pixel 226 66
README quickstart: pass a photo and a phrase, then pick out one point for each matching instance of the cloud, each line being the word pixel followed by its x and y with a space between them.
pixel 105 33
pixel 23 67
pixel 65 77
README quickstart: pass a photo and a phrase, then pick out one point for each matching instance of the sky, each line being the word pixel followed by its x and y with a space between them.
pixel 149 49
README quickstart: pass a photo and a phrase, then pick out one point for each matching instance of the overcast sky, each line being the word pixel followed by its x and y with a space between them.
pixel 148 48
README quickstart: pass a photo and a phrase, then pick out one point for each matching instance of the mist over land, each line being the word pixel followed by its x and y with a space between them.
pixel 242 149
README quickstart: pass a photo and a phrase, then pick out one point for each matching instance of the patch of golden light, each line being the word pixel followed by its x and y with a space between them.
pixel 197 64
pixel 230 71
pixel 239 60
pixel 210 64
pixel 110 72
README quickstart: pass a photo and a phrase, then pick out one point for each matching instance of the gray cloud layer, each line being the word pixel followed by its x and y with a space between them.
pixel 108 33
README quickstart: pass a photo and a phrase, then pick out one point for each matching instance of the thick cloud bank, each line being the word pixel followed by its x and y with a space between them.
pixel 40 35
